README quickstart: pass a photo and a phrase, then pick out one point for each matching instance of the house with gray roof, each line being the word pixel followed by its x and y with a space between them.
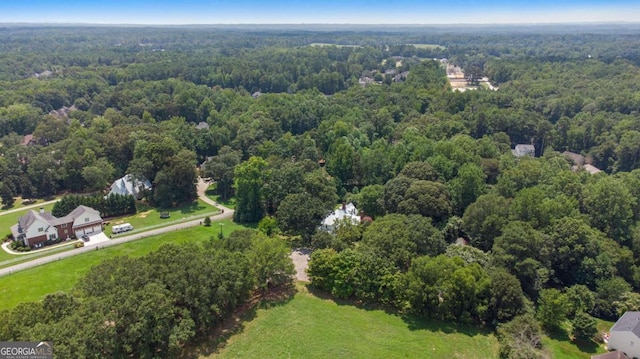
pixel 625 335
pixel 35 229
pixel 129 185
pixel 524 150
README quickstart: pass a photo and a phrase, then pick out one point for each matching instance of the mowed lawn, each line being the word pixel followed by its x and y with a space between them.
pixel 149 217
pixel 309 326
pixel 35 283
pixel 561 347
pixel 8 220
pixel 211 193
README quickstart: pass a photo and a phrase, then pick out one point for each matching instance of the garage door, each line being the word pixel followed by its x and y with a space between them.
pixel 79 233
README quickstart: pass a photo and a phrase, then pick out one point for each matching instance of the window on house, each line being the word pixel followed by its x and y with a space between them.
pixel 86 219
pixel 64 225
pixel 41 229
pixel 52 236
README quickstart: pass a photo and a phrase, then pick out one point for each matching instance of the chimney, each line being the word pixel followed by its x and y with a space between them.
pixel 41 210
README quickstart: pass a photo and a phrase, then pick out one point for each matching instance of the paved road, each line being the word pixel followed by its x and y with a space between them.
pixel 37 205
pixel 227 213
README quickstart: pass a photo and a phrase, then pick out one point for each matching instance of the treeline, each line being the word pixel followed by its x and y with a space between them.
pixel 110 206
pixel 153 306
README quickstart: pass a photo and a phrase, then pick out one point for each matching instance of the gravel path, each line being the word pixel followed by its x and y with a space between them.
pixel 300 258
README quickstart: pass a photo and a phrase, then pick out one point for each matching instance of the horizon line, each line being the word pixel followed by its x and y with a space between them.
pixel 331 24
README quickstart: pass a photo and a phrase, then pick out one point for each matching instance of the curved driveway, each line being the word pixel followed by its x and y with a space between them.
pixel 202 187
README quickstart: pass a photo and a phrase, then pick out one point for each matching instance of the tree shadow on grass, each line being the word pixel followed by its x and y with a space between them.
pixel 216 338
pixel 448 327
pixel 413 322
pixel 559 335
pixel 190 208
pixel 586 346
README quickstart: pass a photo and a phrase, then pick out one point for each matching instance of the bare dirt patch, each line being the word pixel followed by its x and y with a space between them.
pixel 300 258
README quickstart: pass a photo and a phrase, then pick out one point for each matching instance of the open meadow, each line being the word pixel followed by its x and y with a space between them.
pixel 311 326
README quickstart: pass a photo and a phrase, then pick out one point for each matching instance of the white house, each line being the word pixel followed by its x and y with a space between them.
pixel 524 150
pixel 345 211
pixel 128 185
pixel 625 335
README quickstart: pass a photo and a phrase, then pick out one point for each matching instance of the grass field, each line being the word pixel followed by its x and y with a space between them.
pixel 149 217
pixel 33 284
pixel 211 193
pixel 309 326
pixel 7 259
pixel 561 347
pixel 21 203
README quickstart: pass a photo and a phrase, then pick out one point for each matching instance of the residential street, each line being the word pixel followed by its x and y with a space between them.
pixel 202 186
pixel 37 205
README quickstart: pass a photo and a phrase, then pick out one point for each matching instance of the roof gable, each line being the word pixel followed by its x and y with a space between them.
pixel 628 322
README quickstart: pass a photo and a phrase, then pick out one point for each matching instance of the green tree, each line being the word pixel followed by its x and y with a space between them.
pixel 552 308
pixel 399 238
pixel 507 299
pixel 250 176
pixel 583 326
pixel 521 338
pixel 270 262
pixel 609 205
pixel 220 168
pixel 484 219
pixel 429 199
pixel 468 185
pixel 300 213
pixel 269 226
pixel 371 200
pixel 6 194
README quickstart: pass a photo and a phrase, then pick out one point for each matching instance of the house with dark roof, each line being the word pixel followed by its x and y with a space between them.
pixel 35 229
pixel 624 336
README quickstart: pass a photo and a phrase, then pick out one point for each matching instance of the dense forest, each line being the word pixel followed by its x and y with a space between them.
pixel 279 118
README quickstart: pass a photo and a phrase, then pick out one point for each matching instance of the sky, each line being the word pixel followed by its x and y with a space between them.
pixel 178 12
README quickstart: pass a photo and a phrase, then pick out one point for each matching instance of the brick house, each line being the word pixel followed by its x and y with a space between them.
pixel 34 229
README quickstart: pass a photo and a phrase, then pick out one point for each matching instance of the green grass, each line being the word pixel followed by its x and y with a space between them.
pixel 308 326
pixel 9 219
pixel 211 193
pixel 35 283
pixel 149 217
pixel 7 260
pixel 20 203
pixel 562 347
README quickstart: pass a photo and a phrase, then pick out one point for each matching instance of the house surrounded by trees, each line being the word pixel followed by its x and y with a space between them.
pixel 35 229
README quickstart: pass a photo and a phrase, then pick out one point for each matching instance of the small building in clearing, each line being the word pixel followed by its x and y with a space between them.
pixel 346 211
